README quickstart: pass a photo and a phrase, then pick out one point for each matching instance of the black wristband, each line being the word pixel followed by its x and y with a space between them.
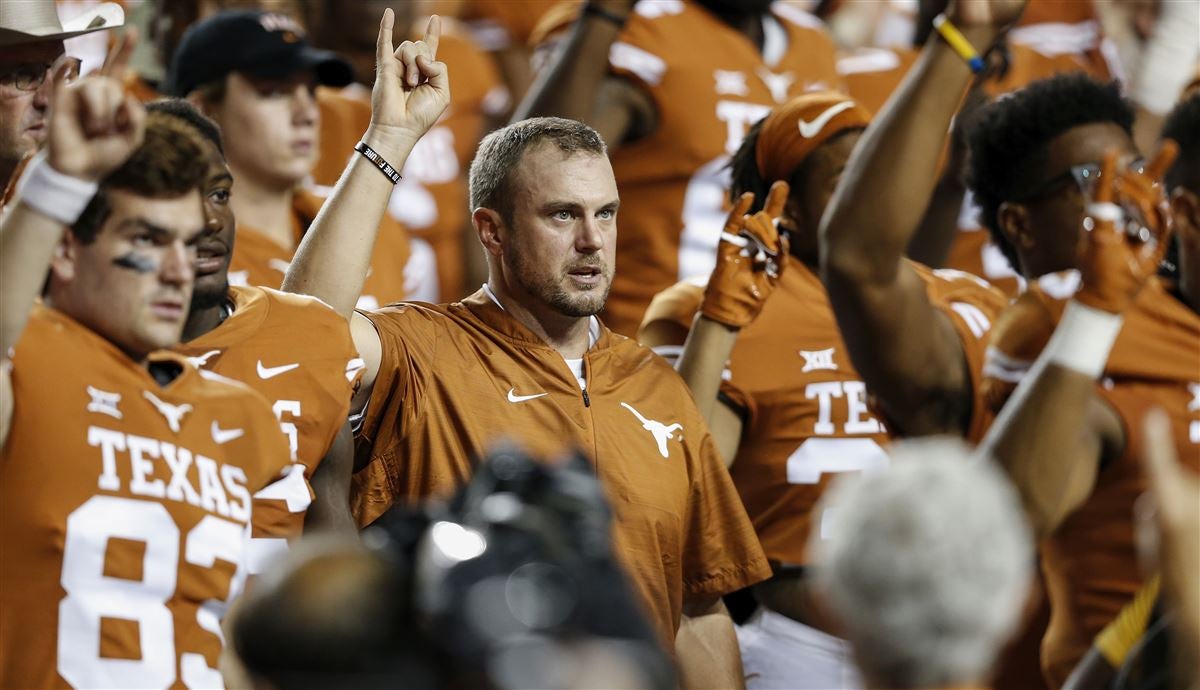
pixel 619 20
pixel 384 167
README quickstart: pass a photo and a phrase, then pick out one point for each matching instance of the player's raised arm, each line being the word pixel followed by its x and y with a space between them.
pixel 1055 429
pixel 411 91
pixel 575 82
pixel 750 258
pixel 906 350
pixel 94 126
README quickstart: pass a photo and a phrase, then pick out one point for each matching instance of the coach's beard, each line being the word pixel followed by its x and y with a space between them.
pixel 575 304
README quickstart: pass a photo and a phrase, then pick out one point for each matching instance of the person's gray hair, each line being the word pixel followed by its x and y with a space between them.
pixel 499 154
pixel 927 565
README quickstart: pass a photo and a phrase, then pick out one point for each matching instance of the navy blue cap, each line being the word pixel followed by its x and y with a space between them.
pixel 255 43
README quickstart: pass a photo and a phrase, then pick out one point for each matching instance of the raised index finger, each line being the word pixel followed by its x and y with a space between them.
pixel 383 44
pixel 1166 155
pixel 1106 189
pixel 433 32
pixel 776 198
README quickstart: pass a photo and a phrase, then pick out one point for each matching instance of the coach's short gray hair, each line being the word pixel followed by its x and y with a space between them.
pixel 500 152
pixel 927 565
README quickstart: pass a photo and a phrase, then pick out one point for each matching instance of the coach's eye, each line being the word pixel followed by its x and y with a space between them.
pixel 607 214
pixel 563 215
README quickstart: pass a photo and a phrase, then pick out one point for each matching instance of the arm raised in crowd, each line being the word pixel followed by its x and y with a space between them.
pixel 750 258
pixel 1055 430
pixel 905 349
pixel 93 127
pixel 575 82
pixel 411 91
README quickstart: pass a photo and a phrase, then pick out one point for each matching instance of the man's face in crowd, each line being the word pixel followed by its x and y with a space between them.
pixel 133 283
pixel 1054 204
pixel 23 110
pixel 270 127
pixel 559 248
pixel 215 247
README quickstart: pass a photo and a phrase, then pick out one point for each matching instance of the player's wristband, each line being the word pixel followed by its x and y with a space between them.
pixel 1084 338
pixel 958 43
pixel 384 167
pixel 51 193
pixel 590 9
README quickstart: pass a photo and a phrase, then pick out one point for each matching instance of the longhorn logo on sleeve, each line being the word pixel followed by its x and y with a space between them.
pixel 661 432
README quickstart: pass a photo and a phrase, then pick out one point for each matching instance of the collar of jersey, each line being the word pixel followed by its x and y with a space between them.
pixel 245 320
pixel 511 327
pixel 61 322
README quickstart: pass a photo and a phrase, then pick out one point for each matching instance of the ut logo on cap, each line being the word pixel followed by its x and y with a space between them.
pixel 281 22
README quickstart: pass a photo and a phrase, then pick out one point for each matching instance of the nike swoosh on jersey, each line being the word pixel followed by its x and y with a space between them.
pixel 272 372
pixel 808 130
pixel 514 398
pixel 223 436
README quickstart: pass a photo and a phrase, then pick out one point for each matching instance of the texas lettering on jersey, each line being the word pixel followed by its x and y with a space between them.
pixel 115 484
pixel 806 414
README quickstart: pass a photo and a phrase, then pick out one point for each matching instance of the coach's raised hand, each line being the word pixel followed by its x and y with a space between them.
pixel 94 126
pixel 412 88
pixel 411 91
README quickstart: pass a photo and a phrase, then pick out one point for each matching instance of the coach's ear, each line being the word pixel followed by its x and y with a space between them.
pixel 488 226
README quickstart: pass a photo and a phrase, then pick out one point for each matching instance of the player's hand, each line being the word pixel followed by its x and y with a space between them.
pixel 1175 497
pixel 1116 263
pixel 750 259
pixel 94 125
pixel 412 88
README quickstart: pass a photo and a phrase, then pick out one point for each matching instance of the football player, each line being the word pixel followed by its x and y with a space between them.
pixel 294 350
pixel 786 405
pixel 255 74
pixel 674 85
pixel 525 358
pixel 126 475
pixel 1125 341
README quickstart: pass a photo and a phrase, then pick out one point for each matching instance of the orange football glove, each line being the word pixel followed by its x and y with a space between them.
pixel 1127 231
pixel 750 259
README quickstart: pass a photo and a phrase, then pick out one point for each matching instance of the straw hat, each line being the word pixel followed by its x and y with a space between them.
pixel 30 21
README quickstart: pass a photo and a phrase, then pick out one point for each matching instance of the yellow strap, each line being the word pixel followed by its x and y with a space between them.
pixel 958 42
pixel 1119 636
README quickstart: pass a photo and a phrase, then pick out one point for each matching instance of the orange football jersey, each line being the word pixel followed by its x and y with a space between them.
pixel 126 510
pixel 1091 561
pixel 456 379
pixel 498 24
pixel 259 260
pixel 806 413
pixel 674 182
pixel 297 353
pixel 431 200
